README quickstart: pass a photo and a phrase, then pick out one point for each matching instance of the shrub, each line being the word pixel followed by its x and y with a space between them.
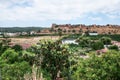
pixel 106 40
pixel 113 47
pixel 106 67
pixel 97 45
pixel 17 47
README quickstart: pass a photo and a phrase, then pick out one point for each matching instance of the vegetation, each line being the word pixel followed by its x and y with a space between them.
pixel 115 37
pixel 105 67
pixel 113 47
pixel 20 29
pixel 4 44
pixel 17 47
pixel 13 66
pixel 51 60
pixel 106 40
pixel 59 32
pixel 97 45
pixel 84 41
pixel 54 57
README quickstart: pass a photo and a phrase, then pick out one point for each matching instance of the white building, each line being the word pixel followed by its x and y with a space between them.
pixel 93 34
pixel 11 34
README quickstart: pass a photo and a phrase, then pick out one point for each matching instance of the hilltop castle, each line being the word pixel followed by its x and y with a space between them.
pixel 81 28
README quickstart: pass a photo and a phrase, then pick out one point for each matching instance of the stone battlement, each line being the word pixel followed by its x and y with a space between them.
pixel 80 28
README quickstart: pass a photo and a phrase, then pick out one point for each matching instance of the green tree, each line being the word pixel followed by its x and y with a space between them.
pixel 97 45
pixel 29 57
pixel 84 41
pixel 4 44
pixel 105 67
pixel 12 66
pixel 113 47
pixel 15 71
pixel 73 31
pixel 106 40
pixel 9 56
pixel 69 31
pixel 59 32
pixel 17 48
pixel 54 57
pixel 65 31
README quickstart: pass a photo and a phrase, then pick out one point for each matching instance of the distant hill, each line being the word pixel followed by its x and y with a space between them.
pixel 20 29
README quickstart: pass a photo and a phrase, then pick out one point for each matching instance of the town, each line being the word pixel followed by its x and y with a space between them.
pixel 69 29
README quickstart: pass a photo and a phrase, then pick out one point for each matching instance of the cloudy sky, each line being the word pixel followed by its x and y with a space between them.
pixel 46 12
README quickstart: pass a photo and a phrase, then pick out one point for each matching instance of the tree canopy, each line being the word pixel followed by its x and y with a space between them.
pixel 105 67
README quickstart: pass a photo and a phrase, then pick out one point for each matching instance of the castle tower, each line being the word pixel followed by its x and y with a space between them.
pixel 53 25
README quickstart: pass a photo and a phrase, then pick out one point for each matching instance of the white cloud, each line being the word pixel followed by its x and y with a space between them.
pixel 54 9
pixel 95 18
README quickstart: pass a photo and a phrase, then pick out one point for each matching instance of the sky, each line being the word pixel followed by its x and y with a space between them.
pixel 25 13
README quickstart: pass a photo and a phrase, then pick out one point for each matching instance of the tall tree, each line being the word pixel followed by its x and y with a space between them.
pixel 54 57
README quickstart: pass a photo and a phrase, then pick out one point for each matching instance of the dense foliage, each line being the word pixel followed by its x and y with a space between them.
pixel 50 60
pixel 17 47
pixel 97 45
pixel 13 66
pixel 105 67
pixel 106 40
pixel 113 47
pixel 115 37
pixel 54 57
pixel 20 29
pixel 4 44
pixel 84 41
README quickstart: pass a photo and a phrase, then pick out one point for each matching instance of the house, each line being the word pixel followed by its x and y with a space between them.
pixel 24 33
pixel 93 33
pixel 11 34
pixel 33 32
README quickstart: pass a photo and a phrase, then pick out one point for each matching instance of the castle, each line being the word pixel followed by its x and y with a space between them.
pixel 81 28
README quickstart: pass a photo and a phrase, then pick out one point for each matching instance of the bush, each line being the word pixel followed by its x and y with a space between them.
pixel 9 56
pixel 106 40
pixel 113 47
pixel 17 47
pixel 15 71
pixel 84 41
pixel 12 66
pixel 97 45
pixel 106 67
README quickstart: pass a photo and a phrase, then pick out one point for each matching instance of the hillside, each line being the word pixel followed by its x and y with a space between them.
pixel 20 29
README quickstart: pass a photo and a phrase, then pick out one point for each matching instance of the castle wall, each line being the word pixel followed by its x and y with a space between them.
pixel 100 29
